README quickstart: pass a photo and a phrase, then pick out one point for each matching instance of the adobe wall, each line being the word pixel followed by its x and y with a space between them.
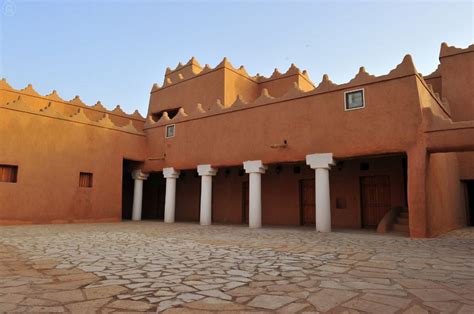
pixel 50 150
pixel 309 124
pixel 39 102
pixel 281 192
pixel 445 194
pixel 457 72
pixel 457 69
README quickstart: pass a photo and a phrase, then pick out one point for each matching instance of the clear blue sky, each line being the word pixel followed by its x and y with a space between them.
pixel 114 51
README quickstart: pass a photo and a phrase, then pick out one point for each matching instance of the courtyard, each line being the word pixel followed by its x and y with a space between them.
pixel 151 266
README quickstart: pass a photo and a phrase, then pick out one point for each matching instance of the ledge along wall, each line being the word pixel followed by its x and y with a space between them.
pixel 50 149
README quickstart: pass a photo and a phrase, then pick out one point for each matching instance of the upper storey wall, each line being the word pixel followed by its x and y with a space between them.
pixel 190 84
pixel 310 122
pixel 457 75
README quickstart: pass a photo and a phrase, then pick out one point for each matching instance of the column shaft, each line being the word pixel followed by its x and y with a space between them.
pixel 137 199
pixel 323 200
pixel 206 200
pixel 170 199
pixel 255 200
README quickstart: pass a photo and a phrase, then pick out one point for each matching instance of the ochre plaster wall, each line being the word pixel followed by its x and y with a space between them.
pixel 308 124
pixel 445 194
pixel 50 154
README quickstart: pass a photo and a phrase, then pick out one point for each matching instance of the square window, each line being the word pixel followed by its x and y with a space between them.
pixel 170 131
pixel 85 180
pixel 354 99
pixel 8 173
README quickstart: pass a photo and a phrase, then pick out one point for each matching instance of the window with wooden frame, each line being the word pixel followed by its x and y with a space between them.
pixel 85 179
pixel 8 173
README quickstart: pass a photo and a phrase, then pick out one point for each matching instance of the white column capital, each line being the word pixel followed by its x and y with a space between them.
pixel 254 166
pixel 170 173
pixel 139 175
pixel 320 161
pixel 206 170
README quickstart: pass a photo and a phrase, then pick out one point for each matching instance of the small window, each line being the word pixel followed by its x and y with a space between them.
pixel 170 131
pixel 8 173
pixel 354 99
pixel 85 180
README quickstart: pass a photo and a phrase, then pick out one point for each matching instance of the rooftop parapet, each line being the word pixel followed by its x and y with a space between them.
pixel 55 109
pixel 447 51
pixel 404 69
pixel 193 69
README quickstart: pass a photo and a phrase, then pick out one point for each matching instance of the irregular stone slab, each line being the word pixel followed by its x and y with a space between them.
pixel 333 269
pixel 64 296
pixel 240 273
pixel 245 291
pixel 216 294
pixel 78 276
pixel 164 305
pixel 130 305
pixel 11 298
pixel 214 304
pixel 370 307
pixel 38 302
pixel 434 294
pixel 416 309
pixel 293 308
pixel 47 309
pixel 104 292
pixel 388 300
pixel 466 309
pixel 188 297
pixel 270 302
pixel 87 306
pixel 418 283
pixel 446 307
pixel 328 299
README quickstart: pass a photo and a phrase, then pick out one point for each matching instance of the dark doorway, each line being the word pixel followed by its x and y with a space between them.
pixel 245 203
pixel 154 189
pixel 470 202
pixel 307 196
pixel 153 193
pixel 375 199
pixel 127 188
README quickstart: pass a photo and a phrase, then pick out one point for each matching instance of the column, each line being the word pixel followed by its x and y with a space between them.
pixel 321 163
pixel 255 168
pixel 138 177
pixel 206 172
pixel 170 197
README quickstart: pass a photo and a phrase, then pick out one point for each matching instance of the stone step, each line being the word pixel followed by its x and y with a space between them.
pixel 402 221
pixel 400 228
pixel 403 214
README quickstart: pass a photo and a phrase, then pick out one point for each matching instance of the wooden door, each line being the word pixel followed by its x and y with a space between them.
pixel 307 197
pixel 375 199
pixel 245 203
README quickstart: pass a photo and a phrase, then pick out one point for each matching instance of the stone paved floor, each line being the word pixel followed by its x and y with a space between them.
pixel 150 266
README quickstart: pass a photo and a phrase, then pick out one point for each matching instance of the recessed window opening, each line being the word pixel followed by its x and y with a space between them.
pixel 85 180
pixel 354 100
pixel 8 173
pixel 170 130
pixel 171 114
